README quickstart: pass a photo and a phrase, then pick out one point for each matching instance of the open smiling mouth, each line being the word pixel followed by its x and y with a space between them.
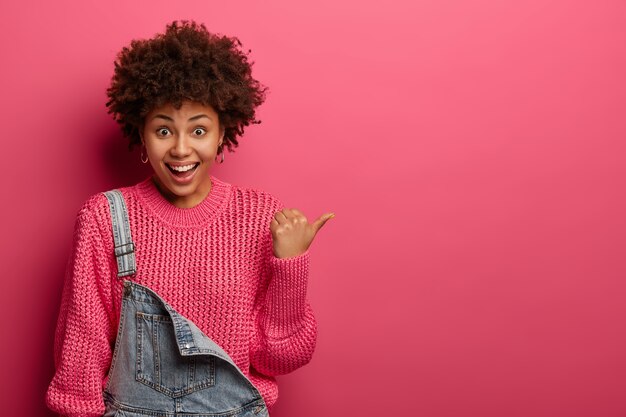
pixel 183 171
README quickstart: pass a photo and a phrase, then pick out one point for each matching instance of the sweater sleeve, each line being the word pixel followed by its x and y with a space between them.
pixel 285 327
pixel 83 337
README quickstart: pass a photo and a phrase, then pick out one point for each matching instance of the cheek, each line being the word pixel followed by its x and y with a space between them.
pixel 154 148
pixel 208 151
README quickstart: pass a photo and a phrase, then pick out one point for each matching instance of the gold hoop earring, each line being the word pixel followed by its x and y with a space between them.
pixel 222 160
pixel 141 156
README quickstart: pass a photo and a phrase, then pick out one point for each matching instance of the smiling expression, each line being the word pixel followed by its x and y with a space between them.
pixel 182 145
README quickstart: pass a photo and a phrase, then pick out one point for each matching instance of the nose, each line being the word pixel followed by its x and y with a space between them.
pixel 181 146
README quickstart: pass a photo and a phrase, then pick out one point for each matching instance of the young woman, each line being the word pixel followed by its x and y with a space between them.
pixel 214 304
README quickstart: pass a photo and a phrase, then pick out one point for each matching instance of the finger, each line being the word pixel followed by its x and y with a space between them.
pixel 280 216
pixel 297 214
pixel 290 214
pixel 321 221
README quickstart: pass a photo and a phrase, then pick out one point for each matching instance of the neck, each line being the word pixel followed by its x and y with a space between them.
pixel 187 201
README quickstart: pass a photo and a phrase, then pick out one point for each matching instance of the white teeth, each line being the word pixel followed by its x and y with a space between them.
pixel 183 168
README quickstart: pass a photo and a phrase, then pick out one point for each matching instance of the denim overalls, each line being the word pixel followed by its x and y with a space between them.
pixel 163 365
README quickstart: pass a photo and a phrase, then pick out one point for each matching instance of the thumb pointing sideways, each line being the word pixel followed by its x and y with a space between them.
pixel 321 221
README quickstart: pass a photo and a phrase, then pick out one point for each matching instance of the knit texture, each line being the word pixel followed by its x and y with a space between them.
pixel 213 263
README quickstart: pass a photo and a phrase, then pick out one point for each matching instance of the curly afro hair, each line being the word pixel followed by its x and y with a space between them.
pixel 185 63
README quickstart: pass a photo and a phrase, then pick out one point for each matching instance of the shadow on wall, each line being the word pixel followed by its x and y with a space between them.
pixel 122 166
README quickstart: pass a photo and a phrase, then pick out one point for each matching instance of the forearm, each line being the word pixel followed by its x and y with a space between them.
pixel 286 326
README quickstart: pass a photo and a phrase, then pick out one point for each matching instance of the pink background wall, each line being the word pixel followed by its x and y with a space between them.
pixel 473 152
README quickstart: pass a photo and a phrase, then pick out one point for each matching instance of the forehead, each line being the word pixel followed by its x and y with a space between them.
pixel 187 110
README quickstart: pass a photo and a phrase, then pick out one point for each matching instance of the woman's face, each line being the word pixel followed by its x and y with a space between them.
pixel 182 146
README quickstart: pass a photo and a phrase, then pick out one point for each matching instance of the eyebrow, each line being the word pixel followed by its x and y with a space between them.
pixel 196 117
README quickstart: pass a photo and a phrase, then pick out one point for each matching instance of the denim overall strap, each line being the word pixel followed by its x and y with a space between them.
pixel 124 245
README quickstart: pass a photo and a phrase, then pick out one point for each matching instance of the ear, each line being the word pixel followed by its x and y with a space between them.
pixel 221 137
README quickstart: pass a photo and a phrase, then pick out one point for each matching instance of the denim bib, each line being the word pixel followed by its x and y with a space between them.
pixel 163 365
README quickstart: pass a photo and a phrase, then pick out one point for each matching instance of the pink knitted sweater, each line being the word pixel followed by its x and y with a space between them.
pixel 213 263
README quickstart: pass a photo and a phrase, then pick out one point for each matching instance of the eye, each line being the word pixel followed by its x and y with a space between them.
pixel 162 131
pixel 199 131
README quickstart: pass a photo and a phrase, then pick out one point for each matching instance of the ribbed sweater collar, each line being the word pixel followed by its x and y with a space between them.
pixel 200 215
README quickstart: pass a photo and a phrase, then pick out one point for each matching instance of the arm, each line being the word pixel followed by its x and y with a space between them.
pixel 285 331
pixel 84 334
